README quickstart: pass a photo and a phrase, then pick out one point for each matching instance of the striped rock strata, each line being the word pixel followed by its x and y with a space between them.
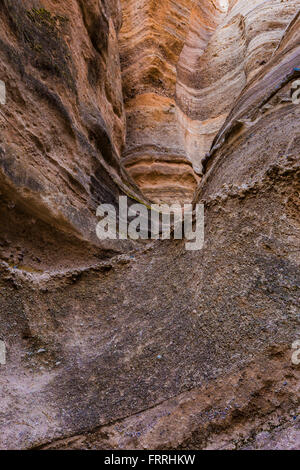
pixel 61 66
pixel 149 346
pixel 183 65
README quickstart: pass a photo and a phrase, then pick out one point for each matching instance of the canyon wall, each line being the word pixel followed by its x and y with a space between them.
pixel 151 40
pixel 128 345
pixel 63 127
pixel 183 65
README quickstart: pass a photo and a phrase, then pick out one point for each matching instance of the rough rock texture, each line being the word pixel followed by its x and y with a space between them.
pixel 63 128
pixel 116 345
pixel 183 64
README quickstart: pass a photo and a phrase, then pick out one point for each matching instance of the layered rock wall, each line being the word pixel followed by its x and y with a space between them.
pixel 151 40
pixel 184 64
pixel 149 346
pixel 63 127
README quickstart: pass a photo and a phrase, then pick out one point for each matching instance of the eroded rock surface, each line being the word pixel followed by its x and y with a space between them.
pixel 122 345
pixel 63 128
pixel 184 63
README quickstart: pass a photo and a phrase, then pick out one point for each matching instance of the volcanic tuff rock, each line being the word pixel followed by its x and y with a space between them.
pixel 183 65
pixel 124 345
pixel 62 65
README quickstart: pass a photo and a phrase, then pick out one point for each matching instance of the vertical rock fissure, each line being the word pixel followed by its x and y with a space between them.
pixel 152 40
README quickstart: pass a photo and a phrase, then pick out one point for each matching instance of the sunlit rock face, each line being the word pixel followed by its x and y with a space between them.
pixel 130 345
pixel 157 36
pixel 64 128
pixel 183 64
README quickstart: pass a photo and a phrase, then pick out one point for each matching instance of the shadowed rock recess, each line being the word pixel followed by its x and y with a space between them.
pixel 131 345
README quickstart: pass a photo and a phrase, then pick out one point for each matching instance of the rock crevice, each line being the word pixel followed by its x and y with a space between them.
pixel 126 345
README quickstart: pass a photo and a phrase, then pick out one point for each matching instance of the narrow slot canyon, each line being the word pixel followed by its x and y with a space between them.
pixel 129 344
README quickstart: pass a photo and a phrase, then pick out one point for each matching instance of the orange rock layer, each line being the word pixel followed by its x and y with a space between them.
pixel 183 65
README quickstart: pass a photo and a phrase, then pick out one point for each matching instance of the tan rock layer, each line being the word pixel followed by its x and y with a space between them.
pixel 61 63
pixel 208 59
pixel 160 347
